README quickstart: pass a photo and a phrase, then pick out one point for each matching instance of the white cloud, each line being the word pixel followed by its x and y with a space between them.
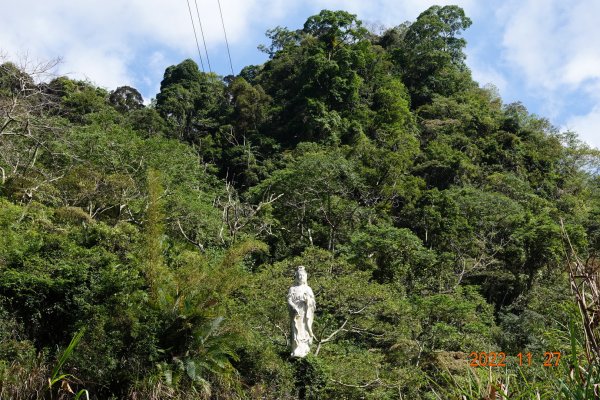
pixel 582 67
pixel 485 74
pixel 552 42
pixel 587 126
pixel 103 67
pixel 551 46
pixel 530 38
pixel 103 41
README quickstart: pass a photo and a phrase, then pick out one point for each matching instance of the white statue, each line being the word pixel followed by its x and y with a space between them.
pixel 301 302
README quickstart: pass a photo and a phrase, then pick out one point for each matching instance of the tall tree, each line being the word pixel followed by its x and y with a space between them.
pixel 192 103
pixel 126 99
pixel 431 57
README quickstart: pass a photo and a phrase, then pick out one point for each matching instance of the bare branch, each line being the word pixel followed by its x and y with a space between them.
pixel 330 337
pixel 371 302
pixel 237 215
pixel 284 333
pixel 199 245
pixel 588 279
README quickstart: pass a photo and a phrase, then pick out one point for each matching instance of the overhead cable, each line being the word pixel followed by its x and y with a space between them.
pixel 226 41
pixel 202 33
pixel 195 35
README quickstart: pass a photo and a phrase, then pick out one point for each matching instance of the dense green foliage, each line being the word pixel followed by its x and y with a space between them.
pixel 427 213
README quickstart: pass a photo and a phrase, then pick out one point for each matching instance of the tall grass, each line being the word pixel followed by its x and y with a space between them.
pixel 583 378
pixel 33 379
pixel 61 380
pixel 25 379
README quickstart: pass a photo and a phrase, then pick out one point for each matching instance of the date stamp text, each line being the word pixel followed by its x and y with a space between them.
pixel 501 359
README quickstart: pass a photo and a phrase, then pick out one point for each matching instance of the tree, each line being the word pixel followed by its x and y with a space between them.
pixel 250 106
pixel 79 100
pixel 316 82
pixel 394 256
pixel 126 99
pixel 335 28
pixel 147 121
pixel 156 272
pixel 318 206
pixel 431 58
pixel 192 103
pixel 280 39
pixel 28 130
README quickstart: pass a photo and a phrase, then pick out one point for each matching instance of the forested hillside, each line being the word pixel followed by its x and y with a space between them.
pixel 432 219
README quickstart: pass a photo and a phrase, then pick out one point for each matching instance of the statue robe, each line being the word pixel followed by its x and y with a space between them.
pixel 301 302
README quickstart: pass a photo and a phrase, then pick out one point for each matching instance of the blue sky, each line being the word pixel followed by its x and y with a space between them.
pixel 544 53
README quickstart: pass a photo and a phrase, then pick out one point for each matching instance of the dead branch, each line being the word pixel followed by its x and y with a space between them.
pixel 330 337
pixel 588 281
pixel 284 333
pixel 197 244
pixel 237 215
pixel 371 302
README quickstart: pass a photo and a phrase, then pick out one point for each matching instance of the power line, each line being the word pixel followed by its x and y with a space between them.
pixel 203 41
pixel 195 35
pixel 226 41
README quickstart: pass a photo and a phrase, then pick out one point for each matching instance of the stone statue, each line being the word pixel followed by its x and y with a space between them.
pixel 301 303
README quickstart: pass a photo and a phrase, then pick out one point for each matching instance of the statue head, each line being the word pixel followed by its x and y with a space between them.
pixel 301 276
